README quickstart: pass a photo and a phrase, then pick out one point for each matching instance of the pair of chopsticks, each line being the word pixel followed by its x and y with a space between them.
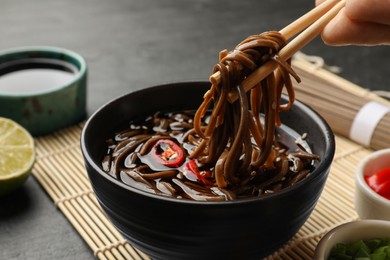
pixel 311 23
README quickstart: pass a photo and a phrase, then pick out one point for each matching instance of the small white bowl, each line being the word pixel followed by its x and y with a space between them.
pixel 350 232
pixel 369 204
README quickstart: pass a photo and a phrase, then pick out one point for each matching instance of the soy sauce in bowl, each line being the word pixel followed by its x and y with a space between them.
pixel 35 75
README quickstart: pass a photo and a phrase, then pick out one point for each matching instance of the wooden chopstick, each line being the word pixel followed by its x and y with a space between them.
pixel 317 18
pixel 305 20
pixel 296 26
pixel 292 47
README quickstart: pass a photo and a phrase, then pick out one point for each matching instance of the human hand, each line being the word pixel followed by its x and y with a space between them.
pixel 360 22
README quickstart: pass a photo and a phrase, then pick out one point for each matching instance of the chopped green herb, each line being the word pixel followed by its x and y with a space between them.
pixel 369 249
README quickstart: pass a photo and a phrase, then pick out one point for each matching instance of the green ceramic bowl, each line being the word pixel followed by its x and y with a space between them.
pixel 42 103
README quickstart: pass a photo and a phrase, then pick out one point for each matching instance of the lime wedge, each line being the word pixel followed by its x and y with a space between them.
pixel 17 155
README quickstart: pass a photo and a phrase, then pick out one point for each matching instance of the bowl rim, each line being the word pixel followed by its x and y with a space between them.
pixel 329 143
pixel 24 50
pixel 361 183
pixel 331 236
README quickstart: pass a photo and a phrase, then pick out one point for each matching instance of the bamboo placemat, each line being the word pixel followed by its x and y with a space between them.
pixel 60 171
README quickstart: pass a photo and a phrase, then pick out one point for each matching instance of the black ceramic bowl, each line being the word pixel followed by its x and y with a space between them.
pixel 167 228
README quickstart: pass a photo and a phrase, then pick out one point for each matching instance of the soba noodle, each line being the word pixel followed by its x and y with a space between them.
pixel 225 150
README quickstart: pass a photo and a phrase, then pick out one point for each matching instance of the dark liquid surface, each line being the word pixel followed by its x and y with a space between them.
pixel 35 75
pixel 136 168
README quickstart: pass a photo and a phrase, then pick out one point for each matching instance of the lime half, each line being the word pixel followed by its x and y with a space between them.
pixel 17 155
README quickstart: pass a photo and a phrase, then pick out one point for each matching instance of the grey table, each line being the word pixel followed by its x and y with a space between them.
pixel 132 44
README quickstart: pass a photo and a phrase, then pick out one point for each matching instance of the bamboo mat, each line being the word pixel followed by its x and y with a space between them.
pixel 60 171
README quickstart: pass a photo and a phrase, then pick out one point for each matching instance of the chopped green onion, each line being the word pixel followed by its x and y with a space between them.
pixel 368 249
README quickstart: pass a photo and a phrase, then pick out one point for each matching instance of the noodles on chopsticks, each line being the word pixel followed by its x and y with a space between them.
pixel 234 67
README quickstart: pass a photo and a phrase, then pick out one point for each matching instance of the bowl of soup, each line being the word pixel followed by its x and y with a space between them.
pixel 185 215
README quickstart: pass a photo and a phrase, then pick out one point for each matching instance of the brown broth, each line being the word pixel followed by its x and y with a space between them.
pixel 128 160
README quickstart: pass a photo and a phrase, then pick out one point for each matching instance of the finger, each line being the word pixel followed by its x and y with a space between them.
pixel 318 2
pixel 344 31
pixel 376 11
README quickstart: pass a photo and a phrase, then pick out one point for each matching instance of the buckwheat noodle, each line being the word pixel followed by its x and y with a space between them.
pixel 338 101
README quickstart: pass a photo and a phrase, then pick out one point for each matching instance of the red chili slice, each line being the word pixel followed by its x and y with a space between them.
pixel 202 176
pixel 380 182
pixel 168 153
pixel 384 190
